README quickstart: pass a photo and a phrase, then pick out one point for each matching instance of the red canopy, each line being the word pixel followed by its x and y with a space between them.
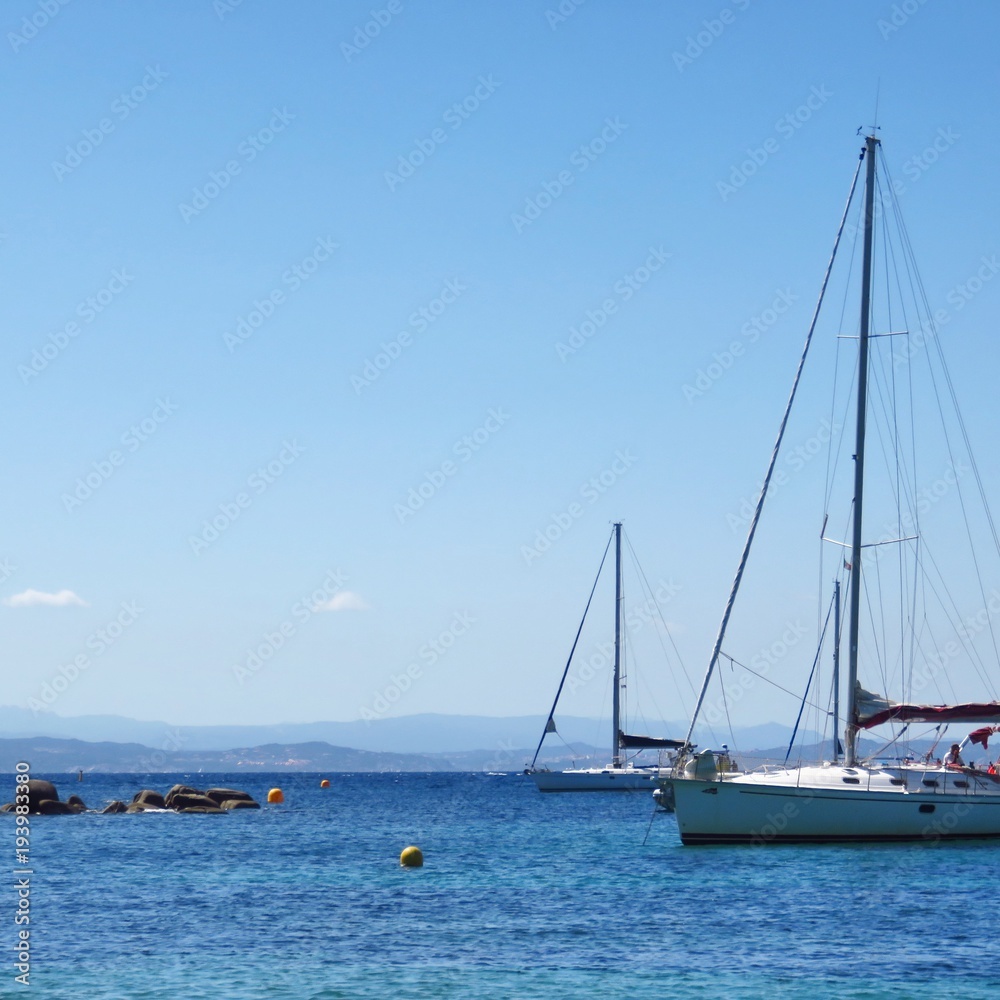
pixel 972 712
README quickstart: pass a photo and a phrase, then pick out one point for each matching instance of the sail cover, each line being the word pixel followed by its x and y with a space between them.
pixel 627 742
pixel 874 710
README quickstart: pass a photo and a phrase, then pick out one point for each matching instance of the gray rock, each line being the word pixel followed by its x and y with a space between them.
pixel 150 798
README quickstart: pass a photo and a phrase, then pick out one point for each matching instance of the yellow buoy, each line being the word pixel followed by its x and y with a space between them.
pixel 275 795
pixel 411 857
pixel 325 783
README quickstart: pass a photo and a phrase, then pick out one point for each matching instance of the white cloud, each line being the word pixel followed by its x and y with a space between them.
pixel 344 600
pixel 32 598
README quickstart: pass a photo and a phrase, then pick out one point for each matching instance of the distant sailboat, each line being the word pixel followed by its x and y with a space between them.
pixel 622 773
pixel 868 800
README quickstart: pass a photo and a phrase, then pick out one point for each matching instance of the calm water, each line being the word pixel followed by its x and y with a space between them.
pixel 522 895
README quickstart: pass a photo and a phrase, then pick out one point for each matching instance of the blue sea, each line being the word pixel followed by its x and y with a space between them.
pixel 521 895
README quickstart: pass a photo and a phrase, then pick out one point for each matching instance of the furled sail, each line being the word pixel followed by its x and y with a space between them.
pixel 627 742
pixel 874 710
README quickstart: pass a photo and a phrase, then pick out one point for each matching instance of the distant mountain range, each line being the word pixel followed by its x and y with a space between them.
pixel 409 734
pixel 53 744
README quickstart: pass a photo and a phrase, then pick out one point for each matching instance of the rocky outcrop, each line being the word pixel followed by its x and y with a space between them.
pixel 192 800
pixel 53 807
pixel 179 790
pixel 147 797
pixel 43 799
pixel 220 795
pixel 40 791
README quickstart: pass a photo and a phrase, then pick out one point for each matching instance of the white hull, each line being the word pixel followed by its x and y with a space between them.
pixel 598 779
pixel 825 804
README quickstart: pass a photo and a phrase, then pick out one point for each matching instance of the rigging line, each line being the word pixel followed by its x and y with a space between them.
pixel 905 486
pixel 654 604
pixel 802 705
pixel 649 826
pixel 856 229
pixel 919 582
pixel 885 746
pixel 879 653
pixel 569 660
pixel 770 469
pixel 960 628
pixel 961 495
pixel 935 675
pixel 729 721
pixel 931 332
pixel 959 417
pixel 767 680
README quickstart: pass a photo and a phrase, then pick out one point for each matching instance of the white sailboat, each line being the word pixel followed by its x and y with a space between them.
pixel 622 774
pixel 856 799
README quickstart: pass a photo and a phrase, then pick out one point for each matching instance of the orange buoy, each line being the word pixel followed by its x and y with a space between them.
pixel 275 796
pixel 325 783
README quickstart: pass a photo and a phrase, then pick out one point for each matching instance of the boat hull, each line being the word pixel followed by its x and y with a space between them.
pixel 595 779
pixel 797 806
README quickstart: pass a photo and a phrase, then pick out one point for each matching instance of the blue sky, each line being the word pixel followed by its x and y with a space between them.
pixel 315 318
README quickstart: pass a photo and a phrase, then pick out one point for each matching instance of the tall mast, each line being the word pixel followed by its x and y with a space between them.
pixel 616 758
pixel 851 729
pixel 836 671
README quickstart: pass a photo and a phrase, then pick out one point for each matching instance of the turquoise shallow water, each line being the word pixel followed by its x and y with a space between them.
pixel 522 895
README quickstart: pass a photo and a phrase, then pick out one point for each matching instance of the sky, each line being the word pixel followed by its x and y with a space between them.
pixel 318 317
